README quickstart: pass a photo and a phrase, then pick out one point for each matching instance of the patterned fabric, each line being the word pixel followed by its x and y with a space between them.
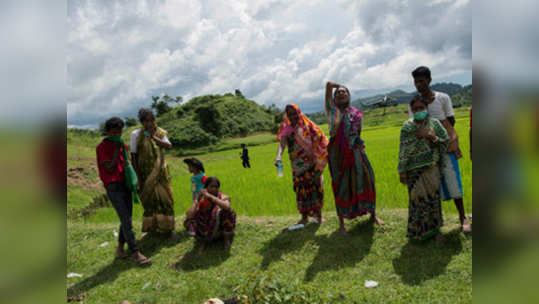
pixel 414 152
pixel 351 172
pixel 210 221
pixel 156 191
pixel 308 135
pixel 424 208
pixel 307 179
pixel 451 186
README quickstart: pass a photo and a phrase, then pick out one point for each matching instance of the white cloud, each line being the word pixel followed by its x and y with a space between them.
pixel 275 51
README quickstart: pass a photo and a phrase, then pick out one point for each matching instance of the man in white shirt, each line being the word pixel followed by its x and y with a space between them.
pixel 440 107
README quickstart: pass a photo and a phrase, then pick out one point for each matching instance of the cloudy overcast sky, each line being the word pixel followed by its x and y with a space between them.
pixel 120 53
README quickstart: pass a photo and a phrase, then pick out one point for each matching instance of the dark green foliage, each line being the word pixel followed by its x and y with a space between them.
pixel 205 120
pixel 463 97
pixel 161 104
pixel 238 93
pixel 318 118
pixel 130 121
pixel 261 287
pixel 447 87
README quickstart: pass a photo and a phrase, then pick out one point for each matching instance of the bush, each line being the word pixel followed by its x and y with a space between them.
pixel 263 288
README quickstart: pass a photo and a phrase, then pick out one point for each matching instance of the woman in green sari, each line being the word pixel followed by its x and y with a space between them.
pixel 155 191
pixel 422 142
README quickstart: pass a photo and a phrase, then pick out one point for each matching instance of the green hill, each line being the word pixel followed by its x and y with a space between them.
pixel 207 119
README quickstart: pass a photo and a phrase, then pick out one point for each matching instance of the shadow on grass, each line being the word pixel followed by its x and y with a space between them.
pixel 149 246
pixel 421 262
pixel 213 255
pixel 286 241
pixel 337 251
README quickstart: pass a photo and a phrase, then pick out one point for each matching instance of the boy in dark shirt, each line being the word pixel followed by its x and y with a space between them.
pixel 245 157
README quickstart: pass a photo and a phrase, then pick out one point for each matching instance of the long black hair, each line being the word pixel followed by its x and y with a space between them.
pixel 211 179
pixel 197 164
pixel 347 91
pixel 420 99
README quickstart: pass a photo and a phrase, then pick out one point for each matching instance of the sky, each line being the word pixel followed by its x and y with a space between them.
pixel 120 53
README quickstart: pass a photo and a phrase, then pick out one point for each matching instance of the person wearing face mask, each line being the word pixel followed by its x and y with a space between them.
pixel 423 142
pixel 439 106
pixel 147 145
pixel 351 172
pixel 307 149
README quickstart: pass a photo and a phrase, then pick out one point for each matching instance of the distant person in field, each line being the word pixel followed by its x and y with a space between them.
pixel 112 158
pixel 423 141
pixel 351 172
pixel 147 145
pixel 245 156
pixel 307 149
pixel 212 215
pixel 198 179
pixel 440 107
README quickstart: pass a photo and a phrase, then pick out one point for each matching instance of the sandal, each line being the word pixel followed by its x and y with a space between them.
pixel 141 260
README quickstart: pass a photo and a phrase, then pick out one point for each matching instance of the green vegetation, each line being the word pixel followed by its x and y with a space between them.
pixel 313 265
pixel 205 120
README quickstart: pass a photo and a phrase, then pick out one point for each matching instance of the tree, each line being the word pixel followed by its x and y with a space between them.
pixel 238 94
pixel 161 104
pixel 130 121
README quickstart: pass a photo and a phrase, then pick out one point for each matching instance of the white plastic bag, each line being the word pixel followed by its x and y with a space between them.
pixel 371 284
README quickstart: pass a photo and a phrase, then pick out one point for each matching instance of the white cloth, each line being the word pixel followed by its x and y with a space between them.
pixel 133 141
pixel 441 107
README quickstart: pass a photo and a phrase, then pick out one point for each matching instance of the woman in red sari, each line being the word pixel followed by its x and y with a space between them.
pixel 351 172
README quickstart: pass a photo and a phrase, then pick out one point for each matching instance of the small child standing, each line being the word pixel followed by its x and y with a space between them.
pixel 198 179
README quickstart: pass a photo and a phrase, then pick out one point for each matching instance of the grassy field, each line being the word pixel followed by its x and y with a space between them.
pixel 314 263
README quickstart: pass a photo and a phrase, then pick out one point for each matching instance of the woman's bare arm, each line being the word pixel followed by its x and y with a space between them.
pixel 223 203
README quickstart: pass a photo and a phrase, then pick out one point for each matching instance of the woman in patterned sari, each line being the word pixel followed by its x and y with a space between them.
pixel 351 172
pixel 155 191
pixel 422 142
pixel 211 215
pixel 307 149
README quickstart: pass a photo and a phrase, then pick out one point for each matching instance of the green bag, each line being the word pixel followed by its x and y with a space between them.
pixel 131 179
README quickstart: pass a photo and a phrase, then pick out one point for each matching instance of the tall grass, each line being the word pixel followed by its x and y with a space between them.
pixel 259 192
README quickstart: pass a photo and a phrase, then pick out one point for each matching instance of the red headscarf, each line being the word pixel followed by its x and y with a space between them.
pixel 308 135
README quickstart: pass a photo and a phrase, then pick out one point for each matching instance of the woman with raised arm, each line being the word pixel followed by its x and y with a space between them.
pixel 307 149
pixel 351 172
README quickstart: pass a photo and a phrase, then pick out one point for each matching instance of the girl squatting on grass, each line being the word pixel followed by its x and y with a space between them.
pixel 211 216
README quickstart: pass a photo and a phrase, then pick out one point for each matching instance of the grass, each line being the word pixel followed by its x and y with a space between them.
pixel 312 265
pixel 259 192
pixel 316 263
